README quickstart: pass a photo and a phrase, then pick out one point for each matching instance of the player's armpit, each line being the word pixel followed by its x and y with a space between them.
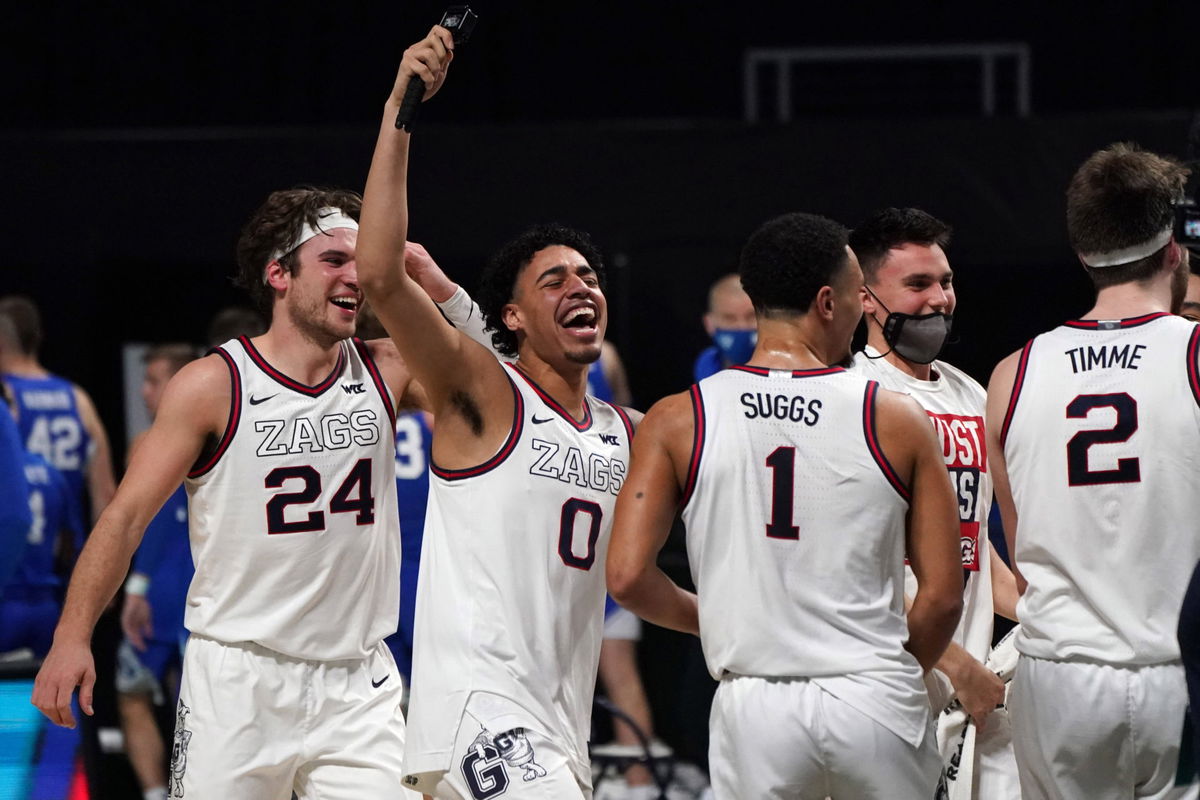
pixel 645 510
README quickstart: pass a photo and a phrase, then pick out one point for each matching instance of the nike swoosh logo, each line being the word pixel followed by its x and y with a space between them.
pixel 256 400
pixel 537 421
pixel 375 684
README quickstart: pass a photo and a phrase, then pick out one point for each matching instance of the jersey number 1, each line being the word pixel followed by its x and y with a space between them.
pixel 782 463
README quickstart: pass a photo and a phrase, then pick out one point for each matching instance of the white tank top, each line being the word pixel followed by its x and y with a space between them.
pixel 511 596
pixel 293 518
pixel 955 403
pixel 795 533
pixel 1102 444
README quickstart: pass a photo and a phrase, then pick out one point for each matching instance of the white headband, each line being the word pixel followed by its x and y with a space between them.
pixel 329 218
pixel 1127 255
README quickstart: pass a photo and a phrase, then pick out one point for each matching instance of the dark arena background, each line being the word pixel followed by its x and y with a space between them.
pixel 138 138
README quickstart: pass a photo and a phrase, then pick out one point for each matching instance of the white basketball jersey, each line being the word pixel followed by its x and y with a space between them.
pixel 795 534
pixel 955 403
pixel 1102 444
pixel 511 596
pixel 293 518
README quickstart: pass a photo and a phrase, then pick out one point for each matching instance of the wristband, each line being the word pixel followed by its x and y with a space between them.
pixel 137 584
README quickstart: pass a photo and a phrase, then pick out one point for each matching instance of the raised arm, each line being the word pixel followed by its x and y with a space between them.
pixel 1000 389
pixel 932 537
pixel 644 513
pixel 195 407
pixel 467 388
pixel 453 300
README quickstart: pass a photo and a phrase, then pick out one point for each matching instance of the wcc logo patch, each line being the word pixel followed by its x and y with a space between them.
pixel 486 765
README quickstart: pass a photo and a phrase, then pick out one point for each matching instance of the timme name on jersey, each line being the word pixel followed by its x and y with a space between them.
pixel 1116 427
pixel 803 576
pixel 283 514
pixel 510 604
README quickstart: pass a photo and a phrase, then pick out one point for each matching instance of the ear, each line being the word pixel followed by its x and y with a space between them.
pixel 710 324
pixel 868 301
pixel 277 277
pixel 1175 257
pixel 823 303
pixel 512 318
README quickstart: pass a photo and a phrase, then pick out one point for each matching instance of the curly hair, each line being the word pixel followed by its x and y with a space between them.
pixel 787 261
pixel 891 227
pixel 276 223
pixel 499 279
pixel 1120 197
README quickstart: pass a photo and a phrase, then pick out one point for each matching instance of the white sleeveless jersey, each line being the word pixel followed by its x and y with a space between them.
pixel 795 534
pixel 1102 444
pixel 511 596
pixel 955 403
pixel 293 518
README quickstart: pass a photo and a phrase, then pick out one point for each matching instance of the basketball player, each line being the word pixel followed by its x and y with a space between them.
pixel 15 514
pixel 285 441
pixel 1093 430
pixel 801 487
pixel 57 419
pixel 152 614
pixel 909 303
pixel 525 473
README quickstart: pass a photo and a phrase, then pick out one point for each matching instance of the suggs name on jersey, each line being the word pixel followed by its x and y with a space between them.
pixel 552 460
pixel 781 406
pixel 303 435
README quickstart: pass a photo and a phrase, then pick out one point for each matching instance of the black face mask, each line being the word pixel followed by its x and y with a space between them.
pixel 916 337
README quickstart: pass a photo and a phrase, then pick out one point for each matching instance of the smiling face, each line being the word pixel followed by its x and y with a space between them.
pixel 913 279
pixel 321 295
pixel 558 309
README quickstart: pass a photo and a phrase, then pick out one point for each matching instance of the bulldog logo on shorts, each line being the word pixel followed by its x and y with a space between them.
pixel 179 752
pixel 483 766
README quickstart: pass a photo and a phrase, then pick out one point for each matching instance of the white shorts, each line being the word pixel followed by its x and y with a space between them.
pixel 789 738
pixel 252 723
pixel 520 764
pixel 1095 732
pixel 623 624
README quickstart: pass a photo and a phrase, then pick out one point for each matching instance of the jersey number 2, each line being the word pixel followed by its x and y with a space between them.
pixel 1128 469
pixel 358 483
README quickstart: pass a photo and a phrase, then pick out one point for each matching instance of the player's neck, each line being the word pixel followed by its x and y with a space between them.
pixel 922 372
pixel 567 385
pixel 1131 300
pixel 299 357
pixel 25 366
pixel 790 346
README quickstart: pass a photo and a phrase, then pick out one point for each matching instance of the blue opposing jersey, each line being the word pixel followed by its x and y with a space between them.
pixel 51 426
pixel 165 557
pixel 597 383
pixel 414 441
pixel 53 513
pixel 14 498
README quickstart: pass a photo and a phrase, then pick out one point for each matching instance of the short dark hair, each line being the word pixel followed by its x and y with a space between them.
pixel 1120 197
pixel 787 261
pixel 277 223
pixel 177 354
pixel 232 322
pixel 499 278
pixel 889 228
pixel 27 321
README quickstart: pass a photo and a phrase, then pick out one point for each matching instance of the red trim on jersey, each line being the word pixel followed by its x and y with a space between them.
pixel 796 373
pixel 284 380
pixel 1193 369
pixel 554 404
pixel 365 354
pixel 873 442
pixel 624 418
pixel 1018 382
pixel 505 450
pixel 1131 322
pixel 235 415
pixel 697 444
